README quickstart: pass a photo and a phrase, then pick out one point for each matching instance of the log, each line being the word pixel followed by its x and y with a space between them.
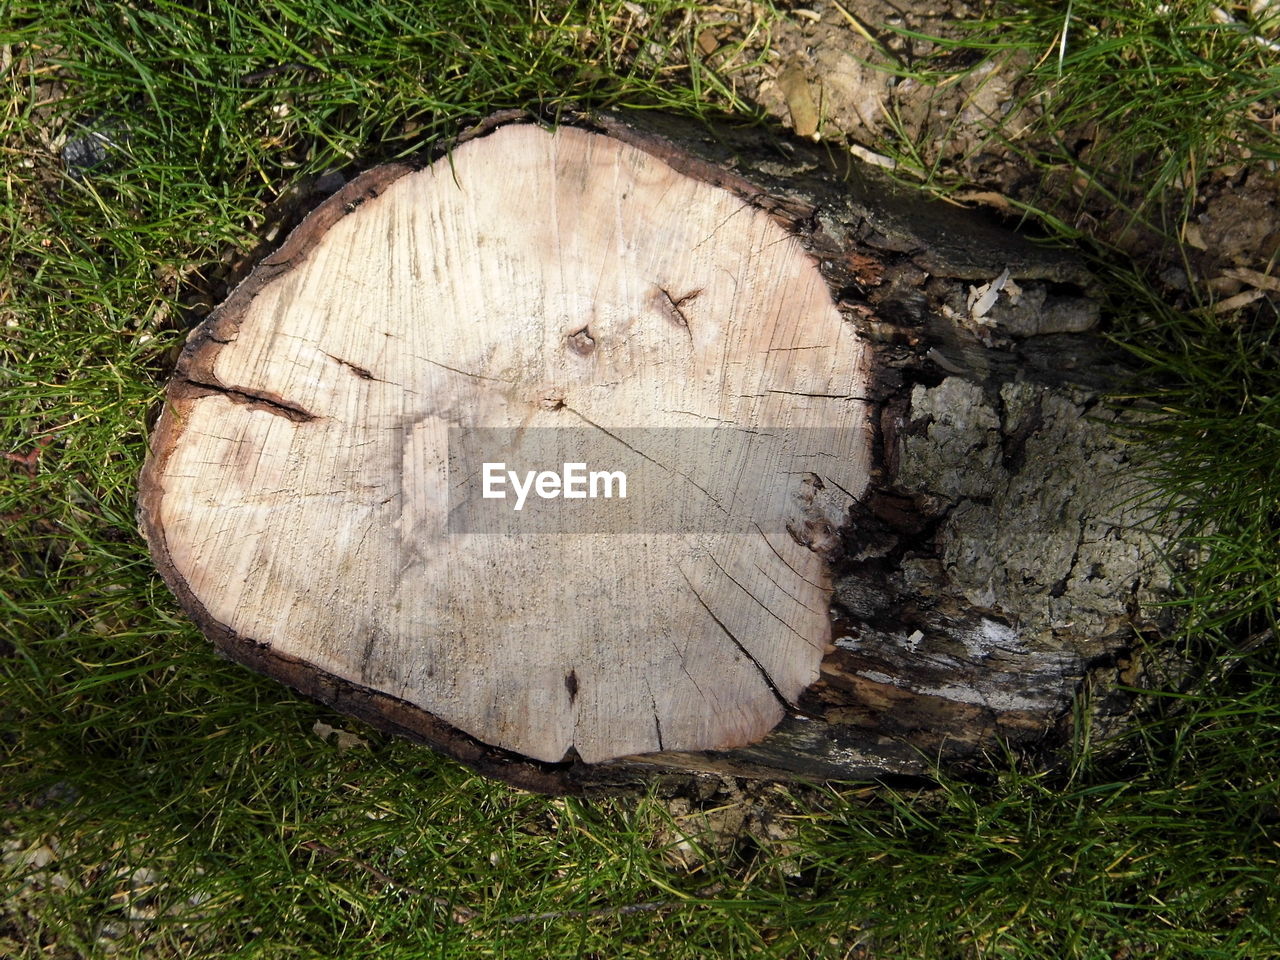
pixel 591 451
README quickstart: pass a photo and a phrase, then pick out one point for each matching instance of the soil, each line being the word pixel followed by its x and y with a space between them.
pixel 977 132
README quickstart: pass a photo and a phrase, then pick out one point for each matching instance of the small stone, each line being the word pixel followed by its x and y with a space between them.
pixel 331 181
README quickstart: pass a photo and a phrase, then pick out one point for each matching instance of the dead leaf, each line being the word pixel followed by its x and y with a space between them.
pixel 795 87
pixel 983 298
pixel 988 197
pixel 1192 237
pixel 29 462
pixel 343 740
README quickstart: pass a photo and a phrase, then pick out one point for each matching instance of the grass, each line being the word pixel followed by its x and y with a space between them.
pixel 158 802
pixel 1118 105
pixel 1218 391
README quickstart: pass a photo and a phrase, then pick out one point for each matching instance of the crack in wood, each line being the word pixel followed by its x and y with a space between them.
pixel 263 401
pixel 464 373
pixel 763 606
pixel 1060 587
pixel 361 372
pixel 657 720
pixel 820 396
pixel 764 674
pixel 785 561
pixel 839 487
pixel 642 454
pixel 671 307
pixel 1013 438
pixel 786 592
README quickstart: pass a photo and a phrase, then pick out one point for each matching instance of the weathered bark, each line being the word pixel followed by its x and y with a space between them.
pixel 977 540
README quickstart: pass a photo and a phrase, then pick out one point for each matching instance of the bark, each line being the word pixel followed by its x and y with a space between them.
pixel 981 546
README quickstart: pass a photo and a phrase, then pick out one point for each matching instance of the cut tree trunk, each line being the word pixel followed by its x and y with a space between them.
pixel 874 517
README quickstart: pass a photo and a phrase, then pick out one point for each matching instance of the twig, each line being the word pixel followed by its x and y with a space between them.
pixel 1239 300
pixel 1260 281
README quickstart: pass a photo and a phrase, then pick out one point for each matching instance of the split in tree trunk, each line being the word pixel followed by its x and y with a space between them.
pixel 866 524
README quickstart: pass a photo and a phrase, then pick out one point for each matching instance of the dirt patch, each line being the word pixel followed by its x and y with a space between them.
pixel 974 131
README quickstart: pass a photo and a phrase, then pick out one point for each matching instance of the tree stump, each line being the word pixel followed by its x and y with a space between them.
pixel 592 451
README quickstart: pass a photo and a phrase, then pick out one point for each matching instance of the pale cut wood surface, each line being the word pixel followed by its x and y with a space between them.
pixel 530 279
